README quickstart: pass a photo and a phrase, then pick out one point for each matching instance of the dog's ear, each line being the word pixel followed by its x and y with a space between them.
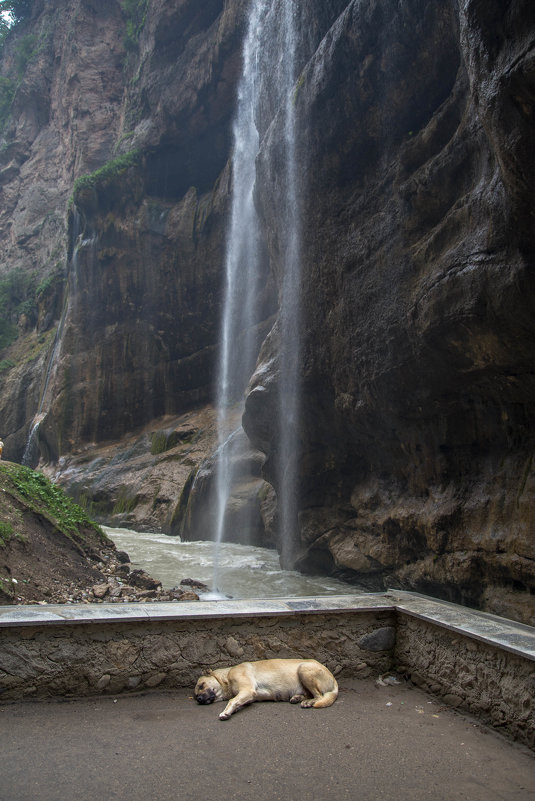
pixel 214 675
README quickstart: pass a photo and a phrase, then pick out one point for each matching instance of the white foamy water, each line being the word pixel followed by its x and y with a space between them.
pixel 243 570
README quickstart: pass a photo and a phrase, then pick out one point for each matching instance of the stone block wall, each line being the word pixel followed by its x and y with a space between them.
pixel 95 658
pixel 477 663
pixel 494 685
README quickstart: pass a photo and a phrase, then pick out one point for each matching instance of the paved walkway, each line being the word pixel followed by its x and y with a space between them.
pixel 374 744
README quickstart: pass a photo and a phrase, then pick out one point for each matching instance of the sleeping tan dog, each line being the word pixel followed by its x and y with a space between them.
pixel 293 680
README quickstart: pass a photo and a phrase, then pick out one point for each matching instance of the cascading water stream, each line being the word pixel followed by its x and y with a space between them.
pixel 31 451
pixel 289 311
pixel 269 69
pixel 237 350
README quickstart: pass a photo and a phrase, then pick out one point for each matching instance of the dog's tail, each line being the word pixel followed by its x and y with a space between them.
pixel 327 699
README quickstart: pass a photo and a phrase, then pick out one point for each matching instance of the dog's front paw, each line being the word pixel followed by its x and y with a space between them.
pixel 224 716
pixel 308 703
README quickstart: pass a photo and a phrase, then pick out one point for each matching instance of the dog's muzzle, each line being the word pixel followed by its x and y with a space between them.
pixel 206 697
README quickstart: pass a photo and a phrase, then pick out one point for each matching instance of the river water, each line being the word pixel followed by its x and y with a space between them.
pixel 243 570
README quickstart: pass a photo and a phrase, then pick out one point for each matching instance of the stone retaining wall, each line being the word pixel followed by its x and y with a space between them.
pixel 79 660
pixel 492 684
pixel 476 662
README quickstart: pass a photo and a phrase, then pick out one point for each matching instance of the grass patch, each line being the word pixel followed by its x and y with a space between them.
pixel 44 498
pixel 7 587
pixel 6 532
pixel 17 297
pixel 158 443
pixel 26 48
pixel 7 93
pixel 54 281
pixel 27 349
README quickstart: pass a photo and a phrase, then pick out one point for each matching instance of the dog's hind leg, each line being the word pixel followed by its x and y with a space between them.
pixel 319 701
pixel 242 699
pixel 322 686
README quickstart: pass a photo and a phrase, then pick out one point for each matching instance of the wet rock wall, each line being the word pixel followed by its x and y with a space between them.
pixel 417 410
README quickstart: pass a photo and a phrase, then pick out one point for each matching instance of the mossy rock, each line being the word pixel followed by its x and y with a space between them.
pixel 111 186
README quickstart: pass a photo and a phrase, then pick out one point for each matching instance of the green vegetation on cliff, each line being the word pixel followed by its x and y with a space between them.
pixel 50 550
pixel 20 296
pixel 106 174
pixel 12 12
pixel 38 494
pixel 7 92
pixel 135 12
pixel 17 297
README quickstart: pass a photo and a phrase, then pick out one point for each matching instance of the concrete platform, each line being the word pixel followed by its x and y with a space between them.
pixel 376 743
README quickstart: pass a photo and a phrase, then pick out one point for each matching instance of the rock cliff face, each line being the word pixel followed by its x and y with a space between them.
pixel 145 238
pixel 418 235
pixel 415 130
pixel 62 75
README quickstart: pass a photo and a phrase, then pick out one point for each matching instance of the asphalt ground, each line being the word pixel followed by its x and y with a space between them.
pixel 374 744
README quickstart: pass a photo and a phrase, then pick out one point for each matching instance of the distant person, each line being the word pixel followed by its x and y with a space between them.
pixel 1 448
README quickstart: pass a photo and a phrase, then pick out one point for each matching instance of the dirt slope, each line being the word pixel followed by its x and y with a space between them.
pixel 51 552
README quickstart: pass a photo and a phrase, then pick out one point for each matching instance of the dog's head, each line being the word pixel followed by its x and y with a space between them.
pixel 207 690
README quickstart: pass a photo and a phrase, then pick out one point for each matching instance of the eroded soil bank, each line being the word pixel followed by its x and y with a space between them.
pixel 52 552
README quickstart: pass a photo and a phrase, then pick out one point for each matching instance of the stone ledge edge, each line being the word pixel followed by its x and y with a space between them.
pixel 499 632
pixel 502 633
pixel 63 614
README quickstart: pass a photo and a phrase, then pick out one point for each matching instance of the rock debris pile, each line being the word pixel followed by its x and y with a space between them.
pixel 120 583
pixel 124 584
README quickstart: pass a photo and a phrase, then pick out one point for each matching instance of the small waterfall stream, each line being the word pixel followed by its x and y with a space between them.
pixel 289 312
pixel 31 451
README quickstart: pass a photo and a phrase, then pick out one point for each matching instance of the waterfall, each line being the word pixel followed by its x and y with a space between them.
pixel 238 346
pixel 289 311
pixel 269 76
